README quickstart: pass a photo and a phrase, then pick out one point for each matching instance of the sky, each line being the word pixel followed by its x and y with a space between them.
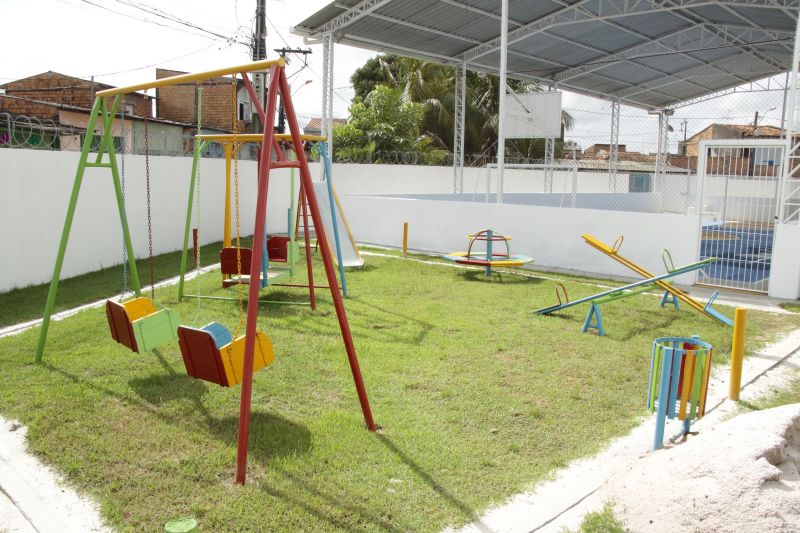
pixel 84 38
pixel 110 40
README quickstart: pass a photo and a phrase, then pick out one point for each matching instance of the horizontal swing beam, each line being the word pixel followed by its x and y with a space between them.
pixel 254 137
pixel 228 299
pixel 193 76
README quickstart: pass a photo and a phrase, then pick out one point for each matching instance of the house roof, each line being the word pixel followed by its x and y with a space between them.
pixel 647 53
pixel 745 130
pixel 80 81
pixel 68 107
pixel 316 123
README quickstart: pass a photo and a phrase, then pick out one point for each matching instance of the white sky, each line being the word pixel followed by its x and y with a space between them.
pixel 77 38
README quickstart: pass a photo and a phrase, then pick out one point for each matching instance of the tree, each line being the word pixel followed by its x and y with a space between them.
pixel 433 86
pixel 384 123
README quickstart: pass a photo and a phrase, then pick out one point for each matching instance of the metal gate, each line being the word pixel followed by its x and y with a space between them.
pixel 738 209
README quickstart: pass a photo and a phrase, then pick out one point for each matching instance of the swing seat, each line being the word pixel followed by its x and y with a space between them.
pixel 229 264
pixel 210 353
pixel 278 248
pixel 140 325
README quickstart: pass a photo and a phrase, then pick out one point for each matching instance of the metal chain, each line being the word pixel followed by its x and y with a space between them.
pixel 198 262
pixel 122 179
pixel 235 149
pixel 149 217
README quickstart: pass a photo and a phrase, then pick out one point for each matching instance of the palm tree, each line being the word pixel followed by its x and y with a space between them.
pixel 433 85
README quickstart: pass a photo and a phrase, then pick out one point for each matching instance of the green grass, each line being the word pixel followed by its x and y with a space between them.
pixel 790 394
pixel 601 522
pixel 27 303
pixel 478 399
pixel 791 306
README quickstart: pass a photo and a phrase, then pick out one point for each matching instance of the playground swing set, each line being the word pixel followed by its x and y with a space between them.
pixel 211 353
pixel 279 253
pixel 140 324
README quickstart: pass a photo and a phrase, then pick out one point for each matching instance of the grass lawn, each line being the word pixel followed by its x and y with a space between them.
pixel 478 398
pixel 27 303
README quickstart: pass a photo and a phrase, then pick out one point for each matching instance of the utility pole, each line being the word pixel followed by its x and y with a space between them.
pixel 259 50
pixel 283 51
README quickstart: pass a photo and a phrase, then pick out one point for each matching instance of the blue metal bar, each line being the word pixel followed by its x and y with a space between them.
pixel 676 272
pixel 323 153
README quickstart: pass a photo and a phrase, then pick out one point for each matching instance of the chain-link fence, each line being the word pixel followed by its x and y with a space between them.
pixel 611 157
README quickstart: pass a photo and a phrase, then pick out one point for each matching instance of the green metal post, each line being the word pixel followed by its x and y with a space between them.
pixel 291 252
pixel 198 149
pixel 62 247
pixel 107 141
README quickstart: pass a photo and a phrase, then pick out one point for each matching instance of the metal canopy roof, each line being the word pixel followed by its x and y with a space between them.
pixel 647 53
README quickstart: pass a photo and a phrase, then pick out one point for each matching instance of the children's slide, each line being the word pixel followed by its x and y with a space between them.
pixel 350 255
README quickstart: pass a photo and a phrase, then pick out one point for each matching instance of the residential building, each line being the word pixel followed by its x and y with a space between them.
pixel 68 90
pixel 179 103
pixel 314 126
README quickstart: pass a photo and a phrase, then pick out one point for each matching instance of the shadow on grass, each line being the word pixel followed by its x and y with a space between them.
pixel 379 323
pixel 497 277
pixel 270 436
pixel 469 514
pixel 363 514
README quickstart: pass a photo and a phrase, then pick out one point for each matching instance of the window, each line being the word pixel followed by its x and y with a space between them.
pixel 129 109
pixel 245 112
pixel 640 182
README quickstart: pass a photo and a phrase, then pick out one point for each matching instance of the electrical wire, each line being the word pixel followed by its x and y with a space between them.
pixel 154 11
pixel 157 63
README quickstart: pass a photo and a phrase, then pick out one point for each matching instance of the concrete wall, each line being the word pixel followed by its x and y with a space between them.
pixel 637 201
pixel 784 279
pixel 37 186
pixel 550 235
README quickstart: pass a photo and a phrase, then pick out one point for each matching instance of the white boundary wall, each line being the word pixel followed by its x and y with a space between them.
pixel 784 279
pixel 550 235
pixel 36 190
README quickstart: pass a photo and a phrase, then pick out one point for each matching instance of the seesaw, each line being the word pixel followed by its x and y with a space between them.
pixel 671 293
pixel 613 252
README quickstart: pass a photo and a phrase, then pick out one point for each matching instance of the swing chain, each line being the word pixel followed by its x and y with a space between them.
pixel 122 184
pixel 197 204
pixel 235 148
pixel 149 217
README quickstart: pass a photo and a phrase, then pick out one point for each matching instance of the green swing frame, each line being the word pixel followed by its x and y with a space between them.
pixel 147 331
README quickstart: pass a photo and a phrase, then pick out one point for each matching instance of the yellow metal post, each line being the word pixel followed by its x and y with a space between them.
pixel 405 238
pixel 737 353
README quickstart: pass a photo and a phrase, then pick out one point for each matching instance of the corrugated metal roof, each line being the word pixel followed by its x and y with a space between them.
pixel 648 53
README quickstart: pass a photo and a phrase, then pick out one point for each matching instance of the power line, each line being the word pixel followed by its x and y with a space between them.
pixel 160 62
pixel 173 18
pixel 343 99
pixel 208 34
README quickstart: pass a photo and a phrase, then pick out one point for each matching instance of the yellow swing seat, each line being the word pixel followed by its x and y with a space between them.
pixel 140 325
pixel 210 353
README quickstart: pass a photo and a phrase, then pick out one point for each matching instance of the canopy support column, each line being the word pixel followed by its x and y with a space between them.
pixel 789 186
pixel 501 106
pixel 327 90
pixel 663 146
pixel 460 83
pixel 613 147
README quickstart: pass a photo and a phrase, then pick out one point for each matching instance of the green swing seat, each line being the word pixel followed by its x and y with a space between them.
pixel 140 325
